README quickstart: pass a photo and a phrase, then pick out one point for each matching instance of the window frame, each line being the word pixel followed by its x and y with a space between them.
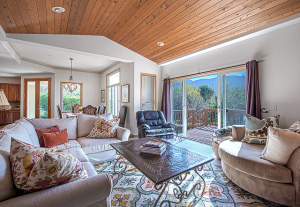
pixel 111 86
pixel 61 95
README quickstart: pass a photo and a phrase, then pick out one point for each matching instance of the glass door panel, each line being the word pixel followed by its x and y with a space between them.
pixel 31 99
pixel 233 98
pixel 202 102
pixel 44 99
pixel 178 107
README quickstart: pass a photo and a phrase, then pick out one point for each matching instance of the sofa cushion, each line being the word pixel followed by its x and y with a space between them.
pixel 7 186
pixel 40 133
pixel 79 154
pixel 55 138
pixel 280 145
pixel 70 144
pixel 30 130
pixel 68 123
pixel 154 132
pixel 94 145
pixel 18 132
pixel 238 132
pixel 245 158
pixel 89 169
pixel 295 125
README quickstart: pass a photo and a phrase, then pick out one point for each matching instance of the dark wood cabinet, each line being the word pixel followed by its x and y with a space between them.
pixel 12 91
pixel 9 116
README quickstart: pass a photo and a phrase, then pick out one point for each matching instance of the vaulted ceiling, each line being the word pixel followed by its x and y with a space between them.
pixel 182 25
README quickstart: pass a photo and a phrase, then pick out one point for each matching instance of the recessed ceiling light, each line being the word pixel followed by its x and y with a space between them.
pixel 161 44
pixel 58 9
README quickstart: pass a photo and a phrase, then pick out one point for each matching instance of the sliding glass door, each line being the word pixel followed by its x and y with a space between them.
pixel 209 102
pixel 178 106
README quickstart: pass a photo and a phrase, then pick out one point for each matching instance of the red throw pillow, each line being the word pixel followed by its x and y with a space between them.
pixel 55 138
pixel 40 133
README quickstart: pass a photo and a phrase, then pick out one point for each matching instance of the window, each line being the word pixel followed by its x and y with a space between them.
pixel 69 99
pixel 113 92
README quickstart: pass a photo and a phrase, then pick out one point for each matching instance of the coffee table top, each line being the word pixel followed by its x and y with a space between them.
pixel 173 162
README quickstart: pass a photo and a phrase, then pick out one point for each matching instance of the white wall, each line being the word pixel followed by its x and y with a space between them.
pixel 279 73
pixel 10 80
pixel 126 71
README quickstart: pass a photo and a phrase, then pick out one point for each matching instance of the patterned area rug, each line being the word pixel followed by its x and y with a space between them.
pixel 131 188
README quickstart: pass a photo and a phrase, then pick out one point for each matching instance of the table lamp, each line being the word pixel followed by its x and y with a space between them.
pixel 4 104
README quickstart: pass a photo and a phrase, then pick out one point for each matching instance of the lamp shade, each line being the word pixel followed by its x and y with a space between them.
pixel 4 104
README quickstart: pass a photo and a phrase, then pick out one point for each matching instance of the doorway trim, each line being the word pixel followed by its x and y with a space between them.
pixel 37 95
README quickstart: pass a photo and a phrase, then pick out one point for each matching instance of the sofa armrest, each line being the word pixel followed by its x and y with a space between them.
pixel 123 134
pixel 294 165
pixel 168 125
pixel 144 126
pixel 79 193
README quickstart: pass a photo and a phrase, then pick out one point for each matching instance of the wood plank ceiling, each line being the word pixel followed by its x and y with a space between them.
pixel 183 25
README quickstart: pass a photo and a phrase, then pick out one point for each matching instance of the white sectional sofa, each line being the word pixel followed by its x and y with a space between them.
pixel 92 191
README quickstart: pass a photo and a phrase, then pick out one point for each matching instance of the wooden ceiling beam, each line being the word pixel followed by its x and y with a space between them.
pixel 41 7
pixel 141 15
pixel 80 13
pixel 120 7
pixel 8 17
pixel 157 16
pixel 267 19
pixel 13 8
pixel 212 25
pixel 166 26
pixel 34 16
pixel 136 6
pixel 105 15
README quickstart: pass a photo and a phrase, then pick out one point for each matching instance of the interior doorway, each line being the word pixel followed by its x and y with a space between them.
pixel 37 98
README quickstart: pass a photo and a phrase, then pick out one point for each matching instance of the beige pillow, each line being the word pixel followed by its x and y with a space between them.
pixel 280 145
pixel 238 132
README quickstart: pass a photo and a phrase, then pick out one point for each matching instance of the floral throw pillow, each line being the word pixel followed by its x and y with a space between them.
pixel 35 168
pixel 103 129
pixel 295 125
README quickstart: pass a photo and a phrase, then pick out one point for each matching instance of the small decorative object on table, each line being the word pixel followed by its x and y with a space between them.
pixel 154 147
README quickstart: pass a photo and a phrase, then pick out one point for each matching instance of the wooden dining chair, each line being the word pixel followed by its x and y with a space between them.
pixel 59 112
pixel 75 108
pixel 90 110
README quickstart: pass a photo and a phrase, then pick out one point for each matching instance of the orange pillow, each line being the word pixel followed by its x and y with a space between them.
pixel 40 133
pixel 55 138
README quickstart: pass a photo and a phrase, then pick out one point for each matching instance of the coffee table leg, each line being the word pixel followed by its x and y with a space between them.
pixel 178 192
pixel 120 164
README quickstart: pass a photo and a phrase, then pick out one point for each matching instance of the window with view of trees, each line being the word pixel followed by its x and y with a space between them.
pixel 69 99
pixel 113 92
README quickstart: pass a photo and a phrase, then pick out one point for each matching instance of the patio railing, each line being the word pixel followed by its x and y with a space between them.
pixel 208 117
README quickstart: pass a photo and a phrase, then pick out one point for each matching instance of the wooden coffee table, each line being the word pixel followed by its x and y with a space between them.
pixel 172 167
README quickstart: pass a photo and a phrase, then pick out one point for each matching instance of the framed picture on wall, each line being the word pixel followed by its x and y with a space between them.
pixel 103 95
pixel 125 93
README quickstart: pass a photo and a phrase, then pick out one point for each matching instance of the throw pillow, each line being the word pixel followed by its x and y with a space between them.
pixel 238 132
pixel 103 129
pixel 40 133
pixel 55 138
pixel 35 168
pixel 280 145
pixel 257 130
pixel 295 125
pixel 116 121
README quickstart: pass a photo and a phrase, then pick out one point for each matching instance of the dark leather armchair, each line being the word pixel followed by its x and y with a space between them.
pixel 122 115
pixel 153 124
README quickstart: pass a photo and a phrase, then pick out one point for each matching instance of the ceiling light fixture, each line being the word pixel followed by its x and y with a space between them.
pixel 161 44
pixel 58 9
pixel 71 86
